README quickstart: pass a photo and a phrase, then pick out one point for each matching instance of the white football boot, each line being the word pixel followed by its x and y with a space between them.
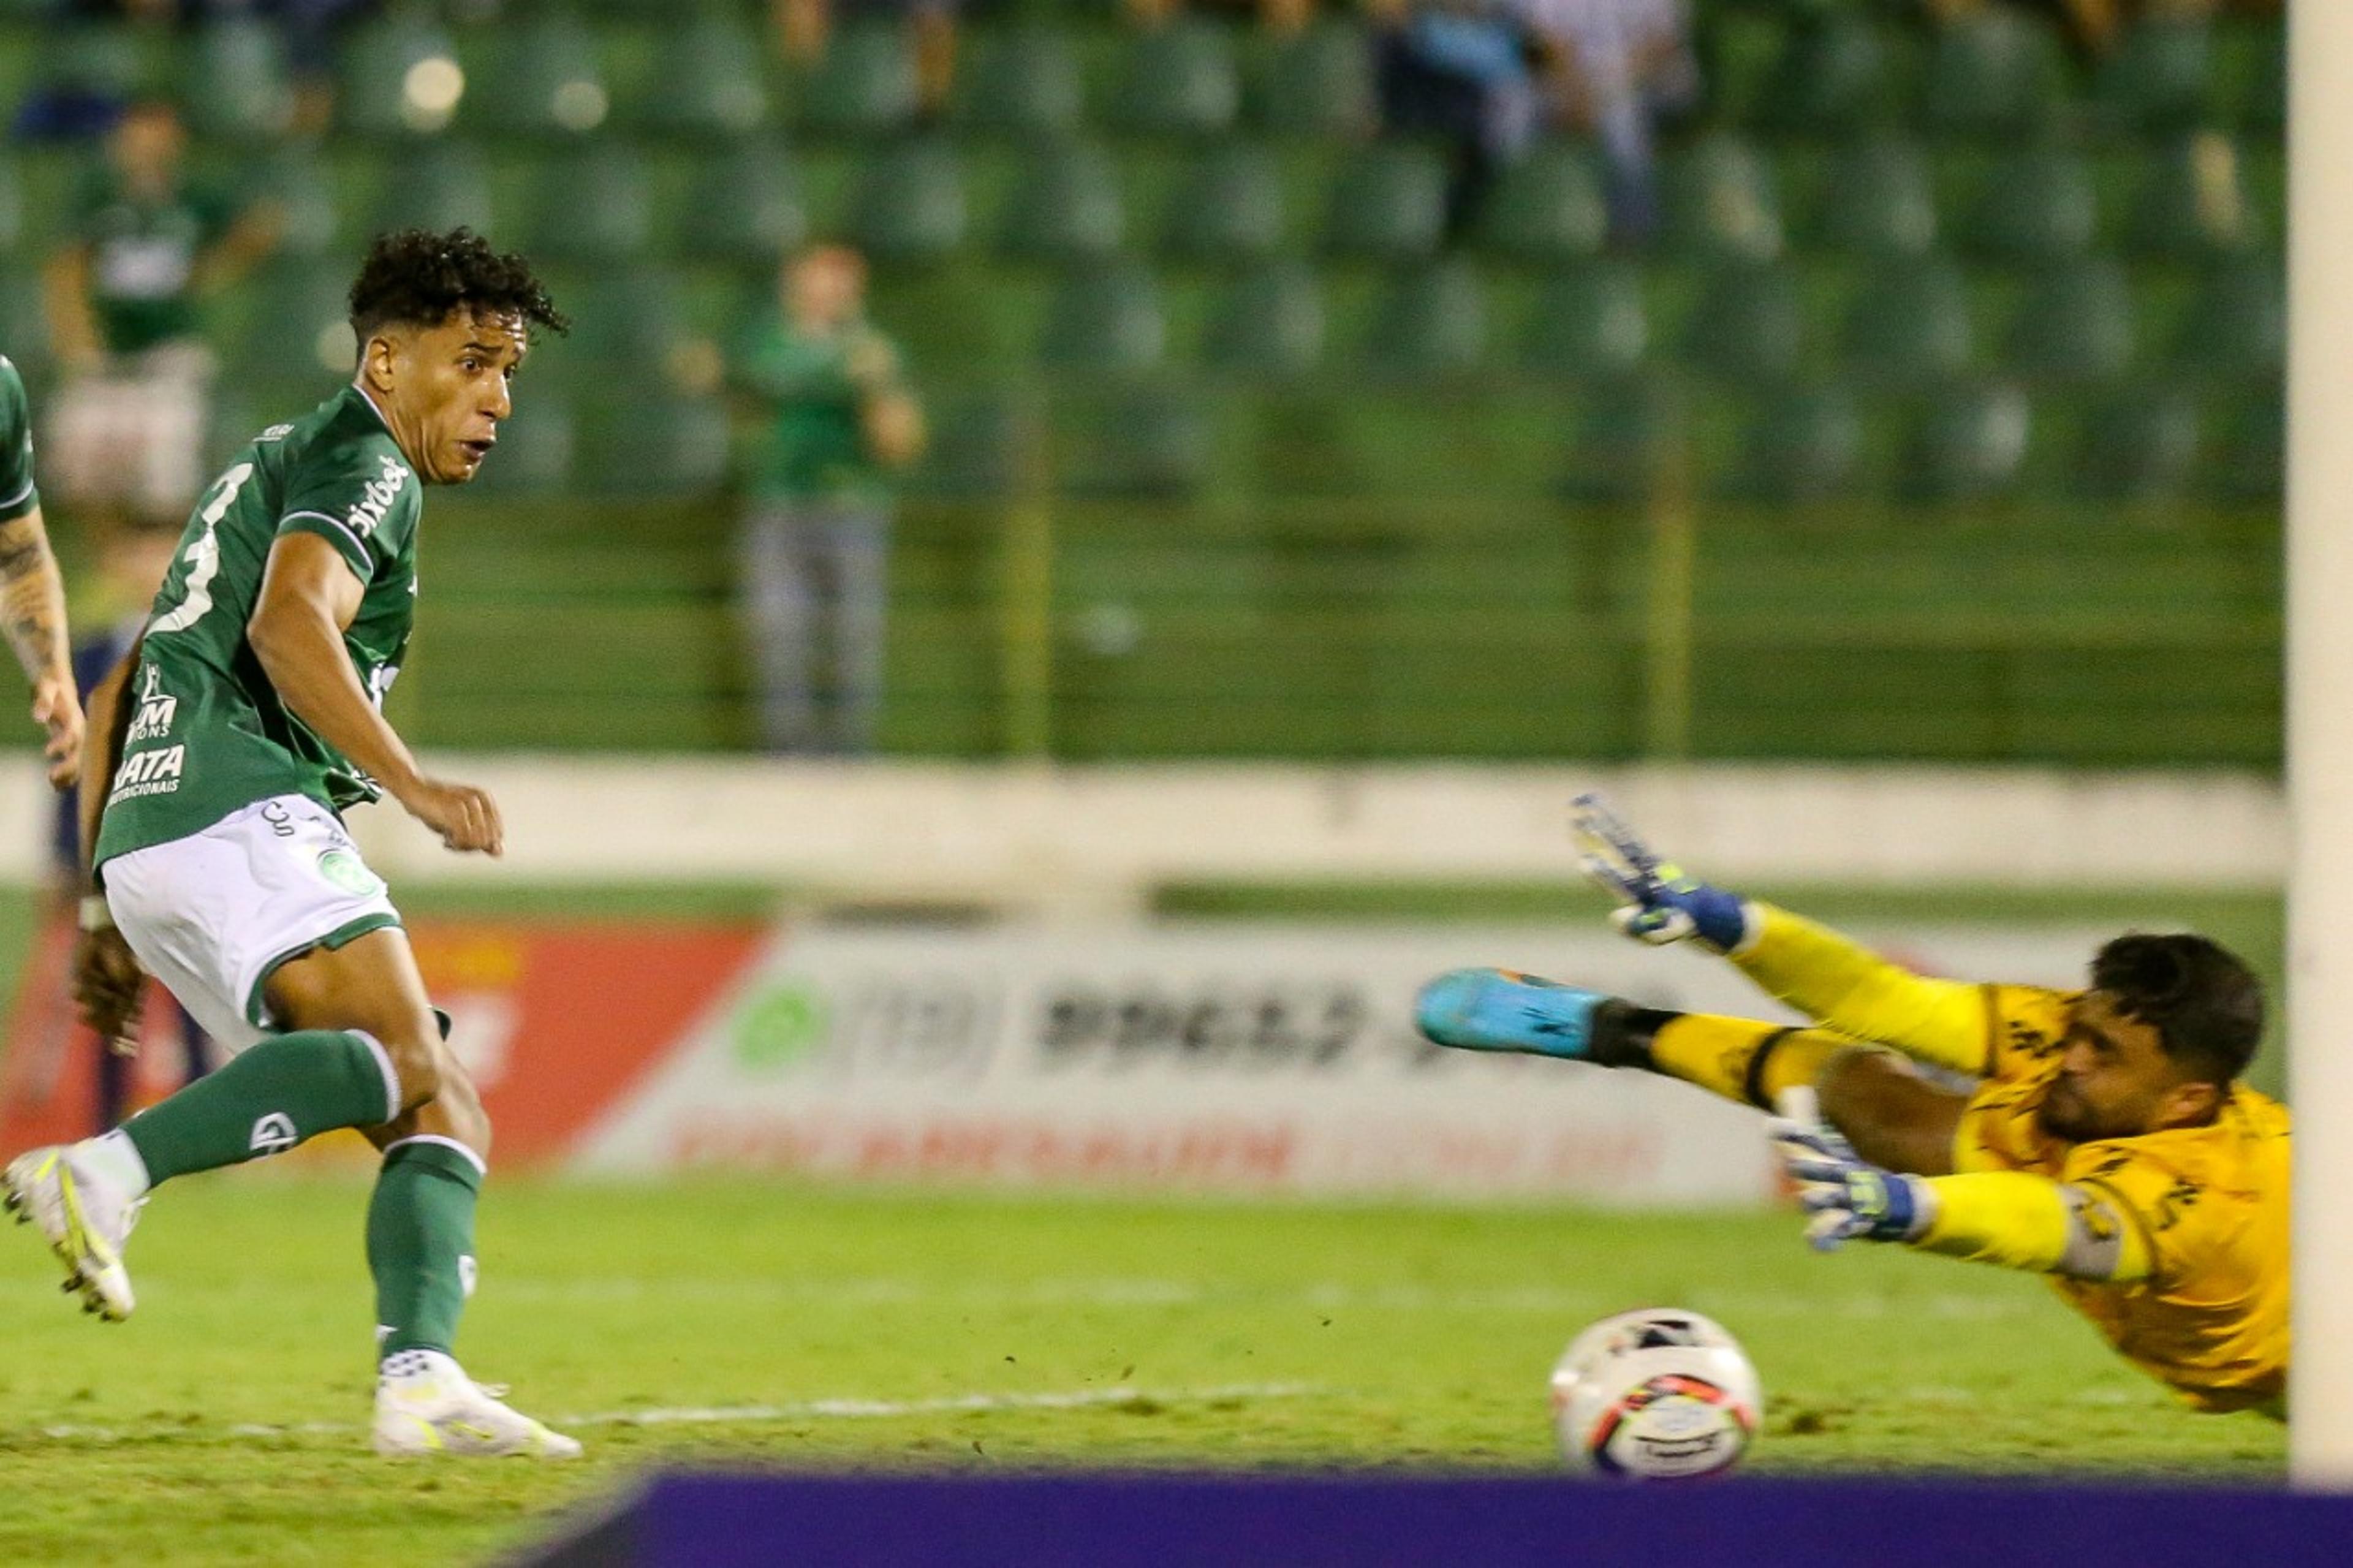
pixel 86 1218
pixel 424 1404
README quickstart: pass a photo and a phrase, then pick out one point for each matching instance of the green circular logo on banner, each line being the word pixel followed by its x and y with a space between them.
pixel 349 872
pixel 777 1027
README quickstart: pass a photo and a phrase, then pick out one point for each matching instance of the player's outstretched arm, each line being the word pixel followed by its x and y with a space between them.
pixel 2012 1218
pixel 1833 980
pixel 309 598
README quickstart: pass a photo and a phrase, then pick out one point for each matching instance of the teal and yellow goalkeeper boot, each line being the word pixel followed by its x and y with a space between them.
pixel 1501 1010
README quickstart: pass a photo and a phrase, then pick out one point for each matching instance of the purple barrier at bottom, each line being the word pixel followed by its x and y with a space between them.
pixel 1112 1521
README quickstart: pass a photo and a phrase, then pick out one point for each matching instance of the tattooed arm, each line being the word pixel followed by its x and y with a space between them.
pixel 33 618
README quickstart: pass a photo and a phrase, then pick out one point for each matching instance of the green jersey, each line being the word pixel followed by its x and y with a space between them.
pixel 816 445
pixel 143 260
pixel 17 496
pixel 209 734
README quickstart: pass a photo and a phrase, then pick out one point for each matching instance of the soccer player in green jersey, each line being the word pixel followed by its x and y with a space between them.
pixel 32 594
pixel 222 751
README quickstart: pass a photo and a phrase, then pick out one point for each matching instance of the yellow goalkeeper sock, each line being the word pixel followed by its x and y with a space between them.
pixel 1740 1058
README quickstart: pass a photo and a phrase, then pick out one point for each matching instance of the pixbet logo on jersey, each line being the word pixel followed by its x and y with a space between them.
pixel 367 514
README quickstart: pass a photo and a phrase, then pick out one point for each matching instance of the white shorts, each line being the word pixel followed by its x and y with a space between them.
pixel 213 915
pixel 133 434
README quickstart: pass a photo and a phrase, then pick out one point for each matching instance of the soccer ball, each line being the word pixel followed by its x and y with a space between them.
pixel 1656 1394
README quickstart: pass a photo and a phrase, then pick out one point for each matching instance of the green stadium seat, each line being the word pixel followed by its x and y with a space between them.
pixel 1318 83
pixel 536 444
pixel 246 96
pixel 1833 77
pixel 744 206
pixel 1430 322
pixel 1064 204
pixel 2193 202
pixel 541 77
pixel 650 445
pixel 1228 206
pixel 865 85
pixel 436 186
pixel 2158 76
pixel 2264 104
pixel 1618 444
pixel 2139 445
pixel 1909 323
pixel 1178 79
pixel 1104 318
pixel 12 204
pixel 1267 324
pixel 380 90
pixel 1746 324
pixel 1588 325
pixel 1388 203
pixel 1969 443
pixel 708 82
pixel 1993 72
pixel 1798 445
pixel 301 327
pixel 24 321
pixel 1021 81
pixel 296 185
pixel 1548 207
pixel 976 452
pixel 2236 323
pixel 909 203
pixel 2036 206
pixel 1877 200
pixel 1721 200
pixel 2249 463
pixel 590 206
pixel 2075 323
pixel 1148 441
pixel 630 317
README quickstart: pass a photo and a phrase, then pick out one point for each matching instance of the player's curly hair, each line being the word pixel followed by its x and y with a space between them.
pixel 417 277
pixel 2205 1004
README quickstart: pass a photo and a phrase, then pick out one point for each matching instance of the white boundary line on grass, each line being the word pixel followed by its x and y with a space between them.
pixel 799 1410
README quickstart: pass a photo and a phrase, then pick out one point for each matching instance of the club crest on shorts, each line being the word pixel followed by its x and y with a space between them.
pixel 349 872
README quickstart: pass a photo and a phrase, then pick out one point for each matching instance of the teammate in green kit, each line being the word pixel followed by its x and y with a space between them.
pixel 222 751
pixel 32 595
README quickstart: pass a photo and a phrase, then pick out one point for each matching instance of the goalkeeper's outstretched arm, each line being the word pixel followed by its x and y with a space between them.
pixel 2013 1218
pixel 1834 981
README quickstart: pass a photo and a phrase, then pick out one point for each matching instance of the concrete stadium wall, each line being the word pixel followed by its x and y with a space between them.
pixel 1089 839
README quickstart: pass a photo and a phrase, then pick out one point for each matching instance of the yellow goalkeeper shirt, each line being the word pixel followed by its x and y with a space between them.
pixel 2209 1317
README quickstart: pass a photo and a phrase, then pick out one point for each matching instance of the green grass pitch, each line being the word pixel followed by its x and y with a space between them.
pixel 751 1322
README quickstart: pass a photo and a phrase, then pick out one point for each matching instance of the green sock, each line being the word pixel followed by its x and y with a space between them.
pixel 265 1101
pixel 420 1243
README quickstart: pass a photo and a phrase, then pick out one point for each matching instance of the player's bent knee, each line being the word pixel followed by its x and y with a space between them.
pixel 1892 1115
pixel 419 1068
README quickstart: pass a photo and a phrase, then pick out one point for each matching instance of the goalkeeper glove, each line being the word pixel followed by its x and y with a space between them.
pixel 1846 1198
pixel 1657 903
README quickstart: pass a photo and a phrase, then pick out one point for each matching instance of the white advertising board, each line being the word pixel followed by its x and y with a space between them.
pixel 1274 1058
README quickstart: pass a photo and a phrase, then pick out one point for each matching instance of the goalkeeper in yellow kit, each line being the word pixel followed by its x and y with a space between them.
pixel 2108 1143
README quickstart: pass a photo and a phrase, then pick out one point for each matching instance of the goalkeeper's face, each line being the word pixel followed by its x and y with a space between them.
pixel 2115 1080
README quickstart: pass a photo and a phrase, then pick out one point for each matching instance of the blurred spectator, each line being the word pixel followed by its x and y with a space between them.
pixel 1621 65
pixel 127 430
pixel 1461 71
pixel 804 27
pixel 131 567
pixel 816 538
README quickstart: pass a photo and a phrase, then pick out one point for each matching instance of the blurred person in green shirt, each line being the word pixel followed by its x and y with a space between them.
pixel 124 295
pixel 841 421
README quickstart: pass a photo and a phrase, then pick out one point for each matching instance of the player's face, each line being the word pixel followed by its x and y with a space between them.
pixel 453 389
pixel 2114 1080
